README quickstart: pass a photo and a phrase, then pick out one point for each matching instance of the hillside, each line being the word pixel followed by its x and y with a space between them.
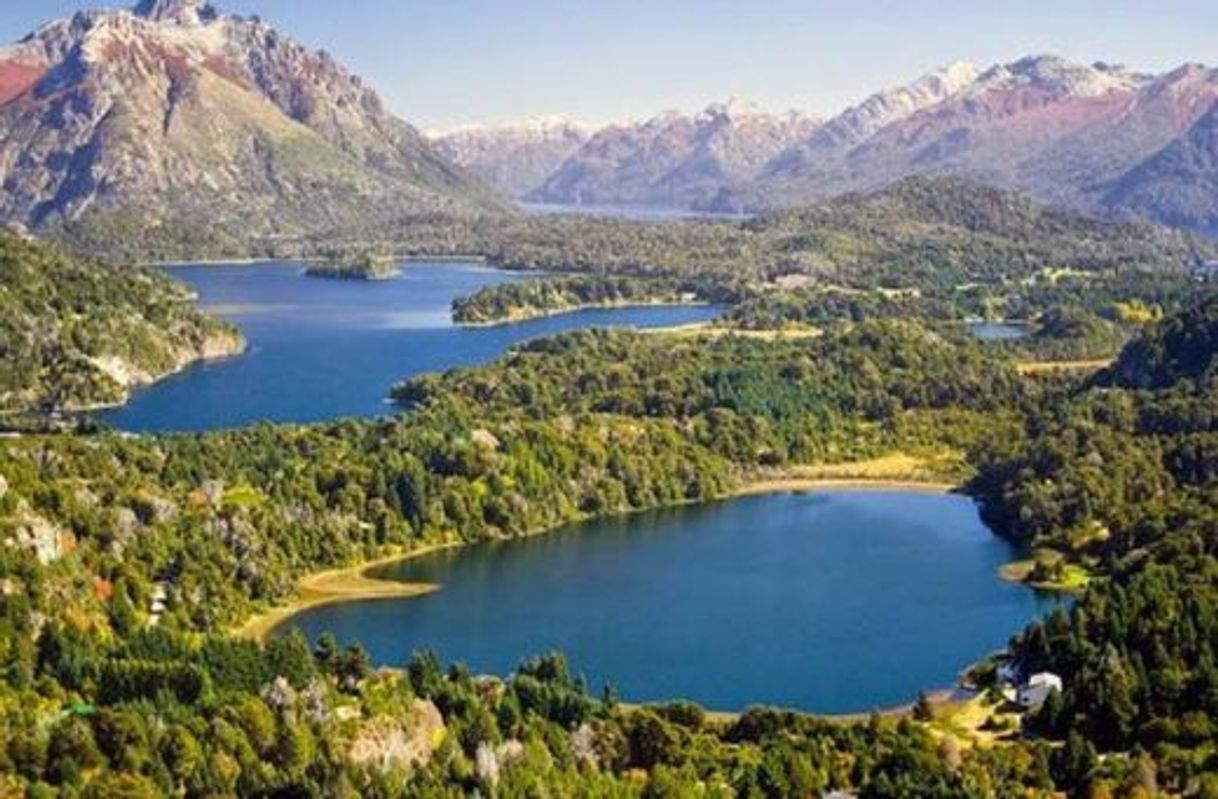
pixel 174 117
pixel 1179 184
pixel 76 334
pixel 1182 347
pixel 936 246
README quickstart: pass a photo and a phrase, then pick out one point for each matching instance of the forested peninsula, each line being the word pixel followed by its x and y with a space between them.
pixel 78 334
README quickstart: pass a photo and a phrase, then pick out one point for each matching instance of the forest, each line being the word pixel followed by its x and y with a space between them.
pixel 75 333
pixel 128 562
pixel 921 232
pixel 585 424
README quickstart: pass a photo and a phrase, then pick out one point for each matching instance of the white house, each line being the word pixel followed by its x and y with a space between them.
pixel 1036 690
pixel 158 605
pixel 1205 271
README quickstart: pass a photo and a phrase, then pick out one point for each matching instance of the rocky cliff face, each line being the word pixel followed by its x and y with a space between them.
pixel 178 114
pixel 515 158
pixel 673 159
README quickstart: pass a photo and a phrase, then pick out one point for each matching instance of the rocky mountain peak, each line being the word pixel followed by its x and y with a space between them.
pixel 856 124
pixel 181 12
pixel 1055 73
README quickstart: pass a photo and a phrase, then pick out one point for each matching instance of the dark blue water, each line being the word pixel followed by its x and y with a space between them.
pixel 322 349
pixel 998 331
pixel 830 602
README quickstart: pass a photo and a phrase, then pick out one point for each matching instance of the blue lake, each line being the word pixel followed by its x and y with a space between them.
pixel 323 349
pixel 998 331
pixel 831 602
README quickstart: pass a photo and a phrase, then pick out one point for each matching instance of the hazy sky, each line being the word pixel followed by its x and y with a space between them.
pixel 441 63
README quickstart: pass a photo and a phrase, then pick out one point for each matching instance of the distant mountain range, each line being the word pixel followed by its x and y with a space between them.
pixel 1097 137
pixel 176 114
pixel 174 123
pixel 516 158
pixel 672 160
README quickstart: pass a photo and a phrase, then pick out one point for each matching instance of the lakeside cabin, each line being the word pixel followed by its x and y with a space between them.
pixel 1032 694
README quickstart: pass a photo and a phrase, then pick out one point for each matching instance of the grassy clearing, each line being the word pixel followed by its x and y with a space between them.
pixel 896 470
pixel 1048 571
pixel 974 722
pixel 710 330
pixel 1034 368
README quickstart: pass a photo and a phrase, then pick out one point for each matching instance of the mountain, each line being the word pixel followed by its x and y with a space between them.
pixel 181 117
pixel 674 159
pixel 1177 185
pixel 1094 137
pixel 856 124
pixel 984 124
pixel 515 158
pixel 1098 138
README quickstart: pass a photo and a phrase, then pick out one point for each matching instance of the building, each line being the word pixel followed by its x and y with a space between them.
pixel 1205 271
pixel 1032 694
pixel 159 603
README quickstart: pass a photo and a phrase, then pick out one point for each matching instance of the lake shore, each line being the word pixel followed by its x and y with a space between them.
pixel 355 583
pixel 346 584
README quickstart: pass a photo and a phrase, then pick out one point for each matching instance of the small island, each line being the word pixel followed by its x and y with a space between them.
pixel 362 267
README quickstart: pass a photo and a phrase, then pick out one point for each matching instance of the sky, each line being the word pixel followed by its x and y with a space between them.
pixel 446 63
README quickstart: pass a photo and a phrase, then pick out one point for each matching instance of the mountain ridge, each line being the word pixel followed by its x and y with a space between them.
pixel 1099 138
pixel 673 158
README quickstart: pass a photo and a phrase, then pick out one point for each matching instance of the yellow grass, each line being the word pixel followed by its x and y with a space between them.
pixel 964 720
pixel 711 330
pixel 1032 368
pixel 1074 577
pixel 897 470
pixel 339 585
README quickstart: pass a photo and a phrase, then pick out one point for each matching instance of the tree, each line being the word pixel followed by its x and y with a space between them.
pixel 922 709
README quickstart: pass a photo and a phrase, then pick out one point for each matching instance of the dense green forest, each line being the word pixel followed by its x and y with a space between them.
pixel 931 249
pixel 128 561
pixel 507 302
pixel 222 524
pixel 74 333
pixel 921 232
pixel 582 424
pixel 1120 475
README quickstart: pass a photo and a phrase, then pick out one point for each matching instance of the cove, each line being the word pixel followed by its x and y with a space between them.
pixel 830 602
pixel 325 349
